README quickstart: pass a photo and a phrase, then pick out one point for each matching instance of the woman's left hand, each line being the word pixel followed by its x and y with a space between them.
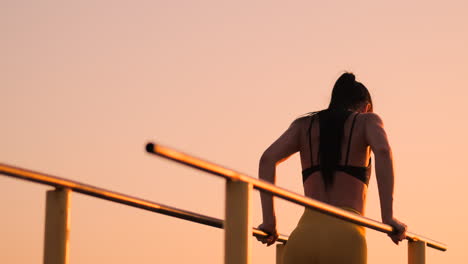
pixel 270 229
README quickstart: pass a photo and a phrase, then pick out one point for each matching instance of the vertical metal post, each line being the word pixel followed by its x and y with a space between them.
pixel 416 252
pixel 57 226
pixel 237 224
pixel 279 253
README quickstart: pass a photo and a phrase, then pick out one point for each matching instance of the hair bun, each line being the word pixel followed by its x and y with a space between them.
pixel 346 80
pixel 349 76
pixel 348 93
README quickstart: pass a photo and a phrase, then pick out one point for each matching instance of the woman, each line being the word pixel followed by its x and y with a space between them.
pixel 335 146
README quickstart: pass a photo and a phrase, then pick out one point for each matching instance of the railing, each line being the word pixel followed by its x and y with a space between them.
pixel 237 223
pixel 57 227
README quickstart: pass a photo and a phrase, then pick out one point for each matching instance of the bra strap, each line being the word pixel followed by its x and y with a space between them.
pixel 350 137
pixel 310 139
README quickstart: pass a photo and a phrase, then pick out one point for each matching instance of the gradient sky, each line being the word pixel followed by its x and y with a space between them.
pixel 86 84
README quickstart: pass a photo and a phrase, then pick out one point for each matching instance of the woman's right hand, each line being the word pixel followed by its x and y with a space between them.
pixel 399 230
pixel 270 229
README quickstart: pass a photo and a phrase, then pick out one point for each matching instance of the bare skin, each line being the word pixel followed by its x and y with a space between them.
pixel 346 191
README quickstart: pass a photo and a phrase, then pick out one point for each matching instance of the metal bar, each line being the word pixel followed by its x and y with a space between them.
pixel 57 227
pixel 279 253
pixel 416 252
pixel 112 196
pixel 237 240
pixel 283 193
pixel 258 233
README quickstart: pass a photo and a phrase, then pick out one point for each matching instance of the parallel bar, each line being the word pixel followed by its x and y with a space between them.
pixel 258 233
pixel 118 197
pixel 237 240
pixel 279 253
pixel 283 193
pixel 57 227
pixel 416 252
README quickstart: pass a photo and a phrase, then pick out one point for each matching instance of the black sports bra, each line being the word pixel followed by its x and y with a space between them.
pixel 360 173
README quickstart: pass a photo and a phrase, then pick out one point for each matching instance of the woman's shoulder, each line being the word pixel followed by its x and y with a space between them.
pixel 303 119
pixel 371 119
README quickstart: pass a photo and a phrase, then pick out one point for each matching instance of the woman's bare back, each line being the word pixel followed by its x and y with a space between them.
pixel 346 191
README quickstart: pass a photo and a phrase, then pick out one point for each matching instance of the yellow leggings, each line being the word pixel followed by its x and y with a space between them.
pixel 320 239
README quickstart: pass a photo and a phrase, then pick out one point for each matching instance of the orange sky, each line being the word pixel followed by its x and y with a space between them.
pixel 87 84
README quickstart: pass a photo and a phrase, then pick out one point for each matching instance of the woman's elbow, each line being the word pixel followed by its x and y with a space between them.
pixel 267 159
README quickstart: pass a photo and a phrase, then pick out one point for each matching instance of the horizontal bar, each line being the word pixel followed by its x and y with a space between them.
pixel 229 174
pixel 112 196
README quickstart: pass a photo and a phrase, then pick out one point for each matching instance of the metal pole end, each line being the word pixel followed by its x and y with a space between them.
pixel 150 147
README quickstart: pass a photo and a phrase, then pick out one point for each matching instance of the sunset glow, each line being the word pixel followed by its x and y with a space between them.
pixel 85 85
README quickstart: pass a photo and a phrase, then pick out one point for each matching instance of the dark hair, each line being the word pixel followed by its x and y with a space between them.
pixel 348 96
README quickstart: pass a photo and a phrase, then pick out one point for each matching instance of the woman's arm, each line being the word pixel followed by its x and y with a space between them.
pixel 286 145
pixel 378 141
